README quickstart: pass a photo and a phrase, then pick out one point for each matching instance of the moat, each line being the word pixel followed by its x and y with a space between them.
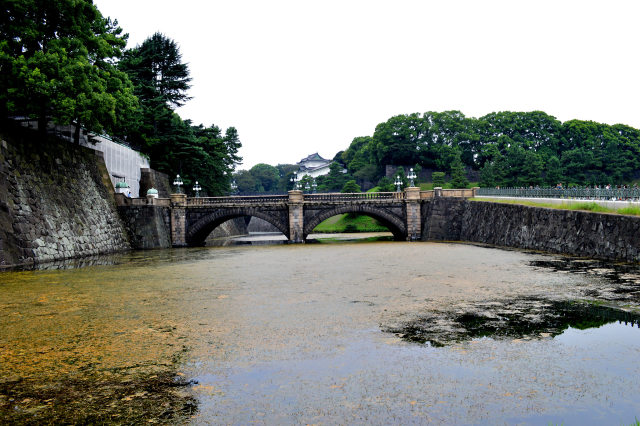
pixel 366 333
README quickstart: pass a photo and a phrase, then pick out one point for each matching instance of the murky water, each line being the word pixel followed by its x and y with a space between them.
pixel 371 333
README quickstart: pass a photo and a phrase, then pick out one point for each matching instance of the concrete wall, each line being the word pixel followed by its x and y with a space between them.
pixel 56 201
pixel 603 236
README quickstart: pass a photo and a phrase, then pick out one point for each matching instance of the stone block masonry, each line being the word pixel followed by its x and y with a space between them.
pixel 586 234
pixel 54 203
pixel 148 226
pixel 150 178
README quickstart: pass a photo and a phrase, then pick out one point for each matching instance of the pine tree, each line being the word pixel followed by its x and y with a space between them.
pixel 458 175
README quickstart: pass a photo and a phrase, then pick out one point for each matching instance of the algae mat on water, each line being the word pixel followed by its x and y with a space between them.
pixel 88 346
pixel 321 333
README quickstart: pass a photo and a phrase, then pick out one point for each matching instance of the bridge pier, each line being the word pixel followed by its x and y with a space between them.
pixel 296 217
pixel 178 220
pixel 412 199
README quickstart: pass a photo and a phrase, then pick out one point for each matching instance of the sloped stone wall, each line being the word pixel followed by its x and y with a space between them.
pixel 54 203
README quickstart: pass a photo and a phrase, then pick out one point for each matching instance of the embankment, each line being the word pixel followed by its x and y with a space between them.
pixel 55 201
pixel 587 234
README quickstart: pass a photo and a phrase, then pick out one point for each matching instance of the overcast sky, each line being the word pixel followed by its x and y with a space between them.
pixel 298 77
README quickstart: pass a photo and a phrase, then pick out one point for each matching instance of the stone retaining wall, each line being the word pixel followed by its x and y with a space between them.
pixel 597 235
pixel 150 178
pixel 54 203
pixel 230 228
pixel 259 225
pixel 149 226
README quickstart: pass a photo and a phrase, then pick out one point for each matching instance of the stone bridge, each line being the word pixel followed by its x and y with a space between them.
pixel 297 214
pixel 439 215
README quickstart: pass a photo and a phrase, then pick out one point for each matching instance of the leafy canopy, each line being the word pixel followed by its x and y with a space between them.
pixel 57 61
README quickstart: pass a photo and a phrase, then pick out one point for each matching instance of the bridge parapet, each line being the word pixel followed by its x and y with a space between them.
pixel 325 197
pixel 455 193
pixel 235 200
pixel 355 196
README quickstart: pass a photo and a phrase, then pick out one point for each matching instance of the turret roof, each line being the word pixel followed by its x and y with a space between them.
pixel 313 157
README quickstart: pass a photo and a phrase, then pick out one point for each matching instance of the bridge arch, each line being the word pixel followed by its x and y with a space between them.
pixel 197 232
pixel 391 221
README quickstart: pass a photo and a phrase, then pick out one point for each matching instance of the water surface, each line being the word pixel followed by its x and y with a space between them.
pixel 322 334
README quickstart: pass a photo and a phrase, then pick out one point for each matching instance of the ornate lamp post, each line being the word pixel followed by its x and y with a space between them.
pixel 314 185
pixel 411 177
pixel 234 187
pixel 177 182
pixel 307 187
pixel 294 180
pixel 197 188
pixel 398 184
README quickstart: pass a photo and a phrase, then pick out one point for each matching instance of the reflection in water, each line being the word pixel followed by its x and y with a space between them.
pixel 270 238
pixel 513 319
pixel 298 333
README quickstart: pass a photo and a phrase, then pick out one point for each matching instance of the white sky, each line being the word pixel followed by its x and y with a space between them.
pixel 298 77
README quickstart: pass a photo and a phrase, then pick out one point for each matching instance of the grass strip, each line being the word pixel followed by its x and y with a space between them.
pixel 582 206
pixel 349 222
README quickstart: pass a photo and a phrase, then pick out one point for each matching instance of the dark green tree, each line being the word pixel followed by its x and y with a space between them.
pixel 553 171
pixel 438 179
pixel 395 141
pixel 267 177
pixel 245 181
pixel 458 174
pixel 385 185
pixel 306 183
pixel 174 145
pixel 157 71
pixel 417 169
pixel 161 82
pixel 216 157
pixel 286 173
pixel 350 186
pixel 57 63
pixel 335 180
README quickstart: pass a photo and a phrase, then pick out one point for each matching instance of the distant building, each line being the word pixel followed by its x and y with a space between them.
pixel 314 166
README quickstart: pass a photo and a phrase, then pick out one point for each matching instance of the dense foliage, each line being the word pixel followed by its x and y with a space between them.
pixel 62 61
pixel 57 62
pixel 506 148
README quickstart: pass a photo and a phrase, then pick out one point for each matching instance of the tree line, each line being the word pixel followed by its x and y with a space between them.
pixel 517 149
pixel 505 148
pixel 62 61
